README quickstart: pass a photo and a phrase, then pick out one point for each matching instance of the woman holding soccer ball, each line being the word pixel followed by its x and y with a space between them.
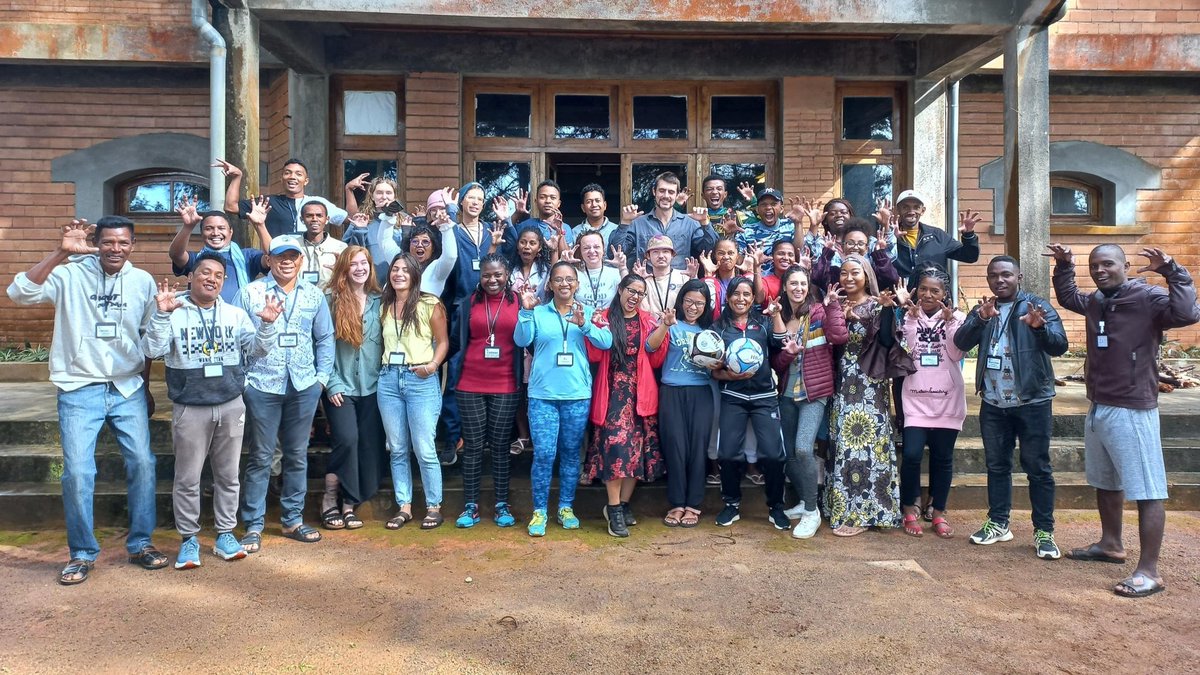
pixel 748 395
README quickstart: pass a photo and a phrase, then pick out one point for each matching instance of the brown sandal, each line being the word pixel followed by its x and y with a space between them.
pixel 691 518
pixel 674 517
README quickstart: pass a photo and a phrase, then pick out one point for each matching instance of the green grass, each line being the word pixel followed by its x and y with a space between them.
pixel 24 354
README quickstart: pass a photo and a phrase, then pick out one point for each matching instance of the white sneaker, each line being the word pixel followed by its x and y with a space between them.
pixel 810 522
pixel 794 512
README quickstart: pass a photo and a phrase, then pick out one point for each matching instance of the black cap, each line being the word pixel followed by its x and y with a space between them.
pixel 771 192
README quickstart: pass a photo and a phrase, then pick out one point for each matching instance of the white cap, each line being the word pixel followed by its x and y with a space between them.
pixel 910 194
pixel 284 242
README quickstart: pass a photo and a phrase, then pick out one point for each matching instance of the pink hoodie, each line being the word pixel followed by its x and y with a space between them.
pixel 934 396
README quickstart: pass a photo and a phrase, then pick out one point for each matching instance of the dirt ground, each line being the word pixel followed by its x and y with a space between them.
pixel 710 600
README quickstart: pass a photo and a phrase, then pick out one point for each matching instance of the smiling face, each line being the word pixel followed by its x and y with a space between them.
pixel 548 201
pixel 207 279
pixel 1107 267
pixel 360 269
pixel 931 295
pixel 796 287
pixel 472 202
pixel 315 219
pixel 594 206
pixel 1004 279
pixel 591 249
pixel 664 195
pixel 740 300
pixel 693 306
pixel 399 276
pixel 286 266
pixel 563 280
pixel 493 278
pixel 855 242
pixel 115 244
pixel 216 231
pixel 835 216
pixel 725 255
pixel 768 211
pixel 529 245
pixel 783 256
pixel 910 211
pixel 421 246
pixel 714 194
pixel 383 195
pixel 852 278
pixel 631 297
pixel 294 180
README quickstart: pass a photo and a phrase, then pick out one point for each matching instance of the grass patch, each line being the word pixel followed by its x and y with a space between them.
pixel 24 354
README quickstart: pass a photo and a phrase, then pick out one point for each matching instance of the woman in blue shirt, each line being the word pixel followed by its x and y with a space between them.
pixel 560 388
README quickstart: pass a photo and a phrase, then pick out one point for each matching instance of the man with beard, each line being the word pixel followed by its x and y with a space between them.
pixel 688 237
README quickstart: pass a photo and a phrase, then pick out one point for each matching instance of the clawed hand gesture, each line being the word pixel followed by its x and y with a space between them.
pixel 442 220
pixel 417 210
pixel 555 221
pixel 706 261
pixel 791 345
pixel 521 202
pixel 668 317
pixel 831 242
pixel 497 232
pixel 1061 254
pixel 967 221
pixel 730 226
pixel 835 295
pixel 227 169
pixel 576 315
pixel 76 237
pixel 772 307
pixel 259 207
pixel 1156 259
pixel 359 182
pixel 700 214
pixel 811 209
pixel 1034 317
pixel 693 268
pixel 987 308
pixel 449 195
pixel 683 196
pixel 746 190
pixel 359 220
pixel 167 302
pixel 272 308
pixel 529 297
pixel 617 257
pixel 889 299
pixel 629 213
pixel 500 207
pixel 404 221
pixel 188 211
pixel 883 212
pixel 568 255
pixel 947 313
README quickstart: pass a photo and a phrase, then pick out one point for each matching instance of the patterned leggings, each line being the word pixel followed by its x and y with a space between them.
pixel 557 428
pixel 487 420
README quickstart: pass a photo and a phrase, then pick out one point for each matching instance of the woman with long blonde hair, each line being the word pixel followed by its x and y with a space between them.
pixel 352 475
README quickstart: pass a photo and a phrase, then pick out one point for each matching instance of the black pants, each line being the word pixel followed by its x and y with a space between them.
pixel 941 464
pixel 1001 428
pixel 487 420
pixel 763 416
pixel 683 429
pixel 358 450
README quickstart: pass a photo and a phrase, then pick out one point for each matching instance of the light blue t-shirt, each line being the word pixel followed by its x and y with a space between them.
pixel 679 370
pixel 542 328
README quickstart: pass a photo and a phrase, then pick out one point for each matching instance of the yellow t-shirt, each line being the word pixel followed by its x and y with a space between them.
pixel 417 349
pixel 910 236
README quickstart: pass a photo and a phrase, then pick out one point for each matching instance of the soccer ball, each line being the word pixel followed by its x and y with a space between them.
pixel 708 349
pixel 743 356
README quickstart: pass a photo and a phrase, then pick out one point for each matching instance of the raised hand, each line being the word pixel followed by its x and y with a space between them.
pixel 1061 254
pixel 835 294
pixel 404 221
pixel 772 307
pixel 967 221
pixel 706 260
pixel 987 308
pixel 812 210
pixel 417 210
pixel 188 212
pixel 259 206
pixel 795 210
pixel 272 308
pixel 227 169
pixel 700 214
pixel 947 313
pixel 693 268
pixel 888 299
pixel 629 213
pixel 730 226
pixel 555 221
pixel 442 220
pixel 568 255
pixel 167 302
pixel 683 196
pixel 576 315
pixel 529 297
pixel 359 220
pixel 359 182
pixel 903 297
pixel 831 241
pixel 644 270
pixel 668 317
pixel 1034 317
pixel 617 257
pixel 521 202
pixel 883 212
pixel 746 190
pixel 450 196
pixel 1156 259
pixel 500 207
pixel 791 345
pixel 552 242
pixel 497 232
pixel 76 237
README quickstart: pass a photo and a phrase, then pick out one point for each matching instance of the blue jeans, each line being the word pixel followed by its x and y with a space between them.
pixel 81 415
pixel 557 428
pixel 288 419
pixel 409 405
pixel 1001 429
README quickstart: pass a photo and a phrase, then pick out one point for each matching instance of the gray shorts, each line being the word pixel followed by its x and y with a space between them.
pixel 1123 451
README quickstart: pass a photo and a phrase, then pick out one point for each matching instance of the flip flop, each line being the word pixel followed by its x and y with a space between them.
pixel 398 521
pixel 1145 589
pixel 1093 554
pixel 303 534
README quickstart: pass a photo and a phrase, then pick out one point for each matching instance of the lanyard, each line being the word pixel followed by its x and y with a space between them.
pixel 209 330
pixel 662 296
pixel 396 323
pixel 287 312
pixel 106 300
pixel 595 285
pixel 313 262
pixel 563 323
pixel 491 320
pixel 478 241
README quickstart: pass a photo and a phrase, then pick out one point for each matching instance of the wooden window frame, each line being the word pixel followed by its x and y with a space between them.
pixel 706 160
pixel 767 90
pixel 898 176
pixel 537 131
pixel 145 222
pixel 867 147
pixel 536 162
pixel 340 157
pixel 549 95
pixel 629 91
pixel 353 142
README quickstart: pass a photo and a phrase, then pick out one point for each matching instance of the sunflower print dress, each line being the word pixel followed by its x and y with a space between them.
pixel 862 488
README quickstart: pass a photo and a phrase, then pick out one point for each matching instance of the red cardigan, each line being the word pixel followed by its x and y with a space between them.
pixel 647 386
pixel 818 367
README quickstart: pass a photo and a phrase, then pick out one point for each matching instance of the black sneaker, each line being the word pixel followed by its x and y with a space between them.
pixel 779 519
pixel 729 515
pixel 447 456
pixel 630 520
pixel 616 521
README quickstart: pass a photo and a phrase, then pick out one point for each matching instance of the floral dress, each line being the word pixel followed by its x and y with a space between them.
pixel 862 488
pixel 626 445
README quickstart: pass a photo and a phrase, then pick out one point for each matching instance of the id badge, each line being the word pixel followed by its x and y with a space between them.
pixel 491 353
pixel 566 359
pixel 1101 342
pixel 993 363
pixel 288 339
pixel 932 360
pixel 106 330
pixel 475 264
pixel 397 359
pixel 311 277
pixel 213 370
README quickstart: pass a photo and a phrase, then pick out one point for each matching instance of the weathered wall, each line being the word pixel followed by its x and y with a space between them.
pixel 433 133
pixel 807 136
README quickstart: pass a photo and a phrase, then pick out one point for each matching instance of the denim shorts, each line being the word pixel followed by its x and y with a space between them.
pixel 1123 451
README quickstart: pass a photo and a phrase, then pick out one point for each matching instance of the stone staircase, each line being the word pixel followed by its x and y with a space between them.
pixel 31 464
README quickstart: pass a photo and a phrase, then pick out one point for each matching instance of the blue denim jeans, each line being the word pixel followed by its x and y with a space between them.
pixel 409 405
pixel 557 428
pixel 288 419
pixel 81 415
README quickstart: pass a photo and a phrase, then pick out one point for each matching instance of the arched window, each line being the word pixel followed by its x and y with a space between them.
pixel 154 195
pixel 1074 202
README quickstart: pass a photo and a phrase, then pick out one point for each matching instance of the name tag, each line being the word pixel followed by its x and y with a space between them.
pixel 993 363
pixel 1101 342
pixel 930 360
pixel 213 370
pixel 396 359
pixel 311 277
pixel 475 264
pixel 566 359
pixel 288 339
pixel 106 330
pixel 491 352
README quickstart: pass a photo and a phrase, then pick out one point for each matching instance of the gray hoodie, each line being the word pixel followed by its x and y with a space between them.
pixel 85 297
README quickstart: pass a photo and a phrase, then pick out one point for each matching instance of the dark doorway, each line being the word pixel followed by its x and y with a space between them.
pixel 574 171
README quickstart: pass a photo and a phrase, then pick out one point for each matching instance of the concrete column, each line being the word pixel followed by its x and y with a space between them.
pixel 1027 153
pixel 929 151
pixel 308 101
pixel 240 29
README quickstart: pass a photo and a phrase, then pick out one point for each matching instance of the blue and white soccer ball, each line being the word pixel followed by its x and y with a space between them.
pixel 743 355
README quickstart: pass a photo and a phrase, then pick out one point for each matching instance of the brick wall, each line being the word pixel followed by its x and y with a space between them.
pixel 157 12
pixel 1130 17
pixel 433 134
pixel 807 136
pixel 1160 130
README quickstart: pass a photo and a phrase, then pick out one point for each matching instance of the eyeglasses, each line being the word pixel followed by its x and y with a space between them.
pixel 562 280
pixel 854 244
pixel 700 304
pixel 636 294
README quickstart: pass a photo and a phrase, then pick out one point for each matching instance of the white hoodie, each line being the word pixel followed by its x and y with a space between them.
pixel 84 296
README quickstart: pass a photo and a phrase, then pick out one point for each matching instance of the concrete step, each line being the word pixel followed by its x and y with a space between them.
pixel 35 505
pixel 1066 454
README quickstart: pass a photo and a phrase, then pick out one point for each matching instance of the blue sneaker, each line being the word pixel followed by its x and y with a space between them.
pixel 537 524
pixel 189 554
pixel 566 518
pixel 469 517
pixel 227 547
pixel 504 517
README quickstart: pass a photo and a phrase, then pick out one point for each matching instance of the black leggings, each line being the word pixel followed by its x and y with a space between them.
pixel 941 464
pixel 487 419
pixel 683 414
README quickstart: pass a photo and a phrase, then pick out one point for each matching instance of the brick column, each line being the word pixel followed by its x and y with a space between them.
pixel 432 134
pixel 807 148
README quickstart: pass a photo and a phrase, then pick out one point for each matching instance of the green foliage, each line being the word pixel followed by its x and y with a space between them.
pixel 24 354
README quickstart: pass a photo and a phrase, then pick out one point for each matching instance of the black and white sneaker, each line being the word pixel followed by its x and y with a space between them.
pixel 616 521
pixel 779 519
pixel 1043 544
pixel 630 520
pixel 729 515
pixel 990 533
pixel 447 455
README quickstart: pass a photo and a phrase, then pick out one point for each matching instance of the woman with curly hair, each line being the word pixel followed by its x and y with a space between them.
pixel 530 263
pixel 862 488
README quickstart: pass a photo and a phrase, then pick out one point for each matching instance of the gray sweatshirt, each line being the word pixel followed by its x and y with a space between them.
pixel 88 303
pixel 192 339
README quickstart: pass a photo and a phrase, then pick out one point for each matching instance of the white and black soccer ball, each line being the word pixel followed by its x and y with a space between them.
pixel 708 349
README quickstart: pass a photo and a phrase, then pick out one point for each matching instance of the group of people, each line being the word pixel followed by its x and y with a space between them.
pixel 593 346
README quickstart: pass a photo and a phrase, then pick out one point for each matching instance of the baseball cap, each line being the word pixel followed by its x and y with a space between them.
pixel 771 192
pixel 659 241
pixel 910 194
pixel 284 243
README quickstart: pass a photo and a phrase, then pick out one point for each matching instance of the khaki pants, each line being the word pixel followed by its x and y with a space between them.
pixel 214 432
